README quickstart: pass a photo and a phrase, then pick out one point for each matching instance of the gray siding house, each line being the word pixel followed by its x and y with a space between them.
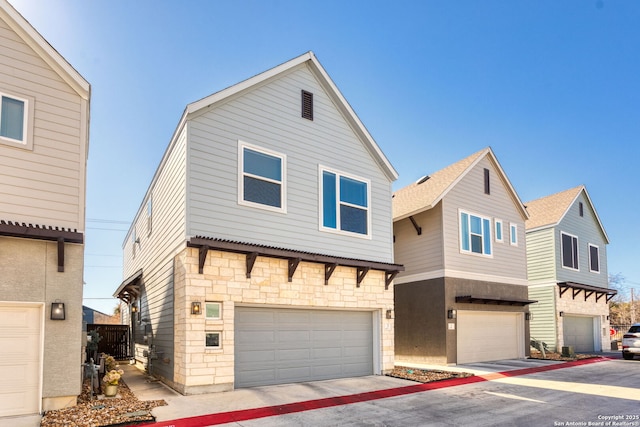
pixel 567 270
pixel 262 252
pixel 463 295
pixel 44 140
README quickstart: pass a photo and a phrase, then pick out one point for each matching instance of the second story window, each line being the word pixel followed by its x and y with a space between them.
pixel 261 181
pixel 475 234
pixel 594 258
pixel 13 119
pixel 513 235
pixel 345 203
pixel 498 223
pixel 569 245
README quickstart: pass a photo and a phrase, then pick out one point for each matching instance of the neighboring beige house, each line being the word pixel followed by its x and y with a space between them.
pixel 44 138
pixel 463 295
pixel 567 263
pixel 262 251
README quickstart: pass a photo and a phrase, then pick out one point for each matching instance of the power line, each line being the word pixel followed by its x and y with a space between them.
pixel 107 229
pixel 119 256
pixel 107 221
pixel 103 266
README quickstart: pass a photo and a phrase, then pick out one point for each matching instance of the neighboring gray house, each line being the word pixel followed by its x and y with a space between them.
pixel 262 251
pixel 44 141
pixel 463 296
pixel 567 264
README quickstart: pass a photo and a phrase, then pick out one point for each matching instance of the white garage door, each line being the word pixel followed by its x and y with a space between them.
pixel 19 360
pixel 486 335
pixel 277 346
pixel 578 332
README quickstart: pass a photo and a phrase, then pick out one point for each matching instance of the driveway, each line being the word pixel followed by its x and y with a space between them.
pixel 604 392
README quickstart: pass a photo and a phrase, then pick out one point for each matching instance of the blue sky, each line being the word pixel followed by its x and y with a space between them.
pixel 552 86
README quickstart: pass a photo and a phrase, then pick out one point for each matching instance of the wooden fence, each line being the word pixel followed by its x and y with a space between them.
pixel 115 340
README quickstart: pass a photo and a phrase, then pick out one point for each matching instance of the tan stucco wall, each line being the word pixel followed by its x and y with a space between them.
pixel 199 370
pixel 29 273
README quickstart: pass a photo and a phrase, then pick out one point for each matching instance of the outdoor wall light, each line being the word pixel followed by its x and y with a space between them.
pixel 451 313
pixel 561 313
pixel 527 316
pixel 57 310
pixel 196 307
pixel 134 308
pixel 389 314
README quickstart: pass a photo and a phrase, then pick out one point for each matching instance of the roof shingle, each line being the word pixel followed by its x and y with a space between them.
pixel 549 210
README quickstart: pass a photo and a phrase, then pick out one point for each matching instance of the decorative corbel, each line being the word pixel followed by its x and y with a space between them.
pixel 251 260
pixel 328 271
pixel 293 265
pixel 202 257
pixel 362 271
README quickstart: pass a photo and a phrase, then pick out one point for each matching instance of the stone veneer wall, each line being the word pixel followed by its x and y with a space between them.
pixel 200 370
pixel 578 306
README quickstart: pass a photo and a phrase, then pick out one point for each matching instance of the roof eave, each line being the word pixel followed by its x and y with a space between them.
pixel 540 227
pixel 412 213
pixel 593 208
pixel 329 86
pixel 507 181
pixel 41 46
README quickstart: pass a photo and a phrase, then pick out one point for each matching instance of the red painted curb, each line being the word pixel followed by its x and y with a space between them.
pixel 290 408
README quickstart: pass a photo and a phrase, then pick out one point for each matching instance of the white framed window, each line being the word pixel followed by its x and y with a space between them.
pixel 213 340
pixel 594 258
pixel 569 251
pixel 344 203
pixel 213 310
pixel 261 179
pixel 513 234
pixel 475 234
pixel 16 114
pixel 149 216
pixel 498 230
pixel 134 240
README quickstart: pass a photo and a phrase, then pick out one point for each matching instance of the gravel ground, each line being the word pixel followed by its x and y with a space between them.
pixel 425 375
pixel 557 356
pixel 124 409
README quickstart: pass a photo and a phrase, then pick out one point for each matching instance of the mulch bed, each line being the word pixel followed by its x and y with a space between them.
pixel 550 355
pixel 425 375
pixel 124 409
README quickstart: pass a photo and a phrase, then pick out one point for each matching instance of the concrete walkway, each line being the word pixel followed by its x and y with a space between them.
pixel 272 400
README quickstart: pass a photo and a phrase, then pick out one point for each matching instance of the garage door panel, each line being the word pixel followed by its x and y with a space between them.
pixel 484 336
pixel 326 353
pixel 578 332
pixel 257 356
pixel 294 354
pixel 320 344
pixel 254 337
pixel 257 375
pixel 19 360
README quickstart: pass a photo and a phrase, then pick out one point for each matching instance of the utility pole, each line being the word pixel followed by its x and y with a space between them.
pixel 633 309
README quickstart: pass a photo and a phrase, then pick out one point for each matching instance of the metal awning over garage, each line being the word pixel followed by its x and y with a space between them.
pixel 589 290
pixel 294 257
pixel 495 301
pixel 129 290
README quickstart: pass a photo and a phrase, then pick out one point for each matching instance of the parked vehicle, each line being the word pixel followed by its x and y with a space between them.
pixel 631 342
